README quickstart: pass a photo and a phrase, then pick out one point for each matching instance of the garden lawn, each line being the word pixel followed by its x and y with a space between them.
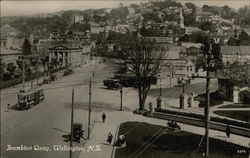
pixel 169 143
pixel 236 105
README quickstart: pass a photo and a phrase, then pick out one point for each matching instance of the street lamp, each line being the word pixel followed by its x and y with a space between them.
pixel 159 76
pixel 121 91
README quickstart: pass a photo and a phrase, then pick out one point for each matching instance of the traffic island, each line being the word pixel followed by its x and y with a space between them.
pixel 144 140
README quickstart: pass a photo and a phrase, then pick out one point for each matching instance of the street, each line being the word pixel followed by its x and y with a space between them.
pixel 48 123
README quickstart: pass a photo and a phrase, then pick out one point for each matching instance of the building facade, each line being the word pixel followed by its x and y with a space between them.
pixel 69 50
pixel 239 54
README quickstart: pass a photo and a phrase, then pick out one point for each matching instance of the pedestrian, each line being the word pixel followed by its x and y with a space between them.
pixel 110 137
pixel 8 106
pixel 103 117
pixel 228 131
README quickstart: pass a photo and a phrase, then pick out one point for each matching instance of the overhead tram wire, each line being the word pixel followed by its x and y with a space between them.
pixel 132 155
pixel 140 152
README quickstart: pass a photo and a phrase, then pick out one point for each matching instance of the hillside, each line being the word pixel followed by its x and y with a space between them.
pixel 43 24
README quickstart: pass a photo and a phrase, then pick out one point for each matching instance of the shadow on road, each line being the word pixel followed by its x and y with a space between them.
pixel 60 130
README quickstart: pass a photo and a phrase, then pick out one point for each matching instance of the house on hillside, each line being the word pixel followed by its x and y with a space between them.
pixel 179 64
pixel 240 39
pixel 231 54
pixel 190 30
pixel 10 37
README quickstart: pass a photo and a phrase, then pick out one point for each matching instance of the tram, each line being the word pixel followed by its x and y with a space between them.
pixel 29 97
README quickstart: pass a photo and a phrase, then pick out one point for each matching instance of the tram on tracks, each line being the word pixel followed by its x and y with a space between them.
pixel 28 98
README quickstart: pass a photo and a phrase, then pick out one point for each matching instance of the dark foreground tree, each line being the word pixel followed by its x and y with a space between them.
pixel 145 59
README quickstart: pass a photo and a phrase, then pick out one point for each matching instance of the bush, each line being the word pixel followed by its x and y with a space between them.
pixel 214 99
pixel 245 97
pixel 6 76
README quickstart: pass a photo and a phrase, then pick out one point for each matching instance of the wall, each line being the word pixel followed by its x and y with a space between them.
pixel 200 123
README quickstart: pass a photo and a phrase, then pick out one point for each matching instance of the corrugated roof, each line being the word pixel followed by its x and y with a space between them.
pixel 230 50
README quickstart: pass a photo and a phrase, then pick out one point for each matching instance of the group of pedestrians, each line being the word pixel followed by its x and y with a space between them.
pixel 121 138
pixel 110 136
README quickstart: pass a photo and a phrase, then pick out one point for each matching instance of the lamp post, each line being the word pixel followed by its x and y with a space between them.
pixel 121 91
pixel 159 76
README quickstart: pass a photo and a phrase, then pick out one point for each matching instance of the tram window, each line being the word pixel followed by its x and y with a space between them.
pixel 21 97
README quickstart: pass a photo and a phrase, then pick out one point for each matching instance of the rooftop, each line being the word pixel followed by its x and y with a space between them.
pixel 230 50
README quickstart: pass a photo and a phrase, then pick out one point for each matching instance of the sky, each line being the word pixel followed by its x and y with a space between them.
pixel 29 7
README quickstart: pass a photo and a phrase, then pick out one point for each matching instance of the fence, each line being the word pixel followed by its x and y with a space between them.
pixel 16 81
pixel 200 123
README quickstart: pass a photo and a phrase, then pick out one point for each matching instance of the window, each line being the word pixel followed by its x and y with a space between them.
pixel 191 68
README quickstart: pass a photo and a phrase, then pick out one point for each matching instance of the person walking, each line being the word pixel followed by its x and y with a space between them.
pixel 110 137
pixel 228 131
pixel 8 107
pixel 103 117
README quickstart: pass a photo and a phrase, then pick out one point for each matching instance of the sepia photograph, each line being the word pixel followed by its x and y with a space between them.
pixel 125 78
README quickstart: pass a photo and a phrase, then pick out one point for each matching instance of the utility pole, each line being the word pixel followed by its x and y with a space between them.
pixel 209 57
pixel 37 72
pixel 95 63
pixel 160 85
pixel 121 91
pixel 72 121
pixel 23 71
pixel 170 75
pixel 90 93
pixel 31 84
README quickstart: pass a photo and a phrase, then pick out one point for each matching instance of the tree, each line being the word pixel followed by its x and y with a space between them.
pixel 239 75
pixel 200 63
pixel 145 59
pixel 189 19
pixel 120 13
pixel 26 48
pixel 212 9
pixel 2 66
pixel 207 26
pixel 191 6
pixel 11 68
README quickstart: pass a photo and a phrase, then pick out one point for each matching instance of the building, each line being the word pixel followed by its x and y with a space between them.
pixel 231 54
pixel 190 30
pixel 10 55
pixel 183 67
pixel 78 18
pixel 167 39
pixel 240 38
pixel 10 38
pixel 68 50
pixel 208 17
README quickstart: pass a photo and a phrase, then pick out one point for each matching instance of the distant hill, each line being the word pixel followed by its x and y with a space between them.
pixel 42 24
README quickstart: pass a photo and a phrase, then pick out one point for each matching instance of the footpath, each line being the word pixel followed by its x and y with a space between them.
pixel 98 137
